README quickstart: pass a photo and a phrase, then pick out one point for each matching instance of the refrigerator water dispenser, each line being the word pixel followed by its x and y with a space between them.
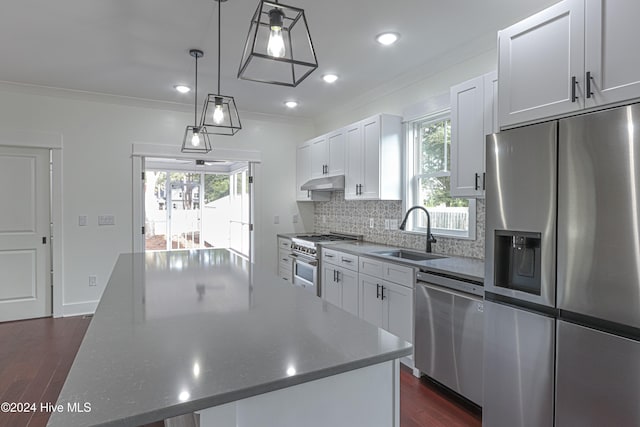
pixel 517 261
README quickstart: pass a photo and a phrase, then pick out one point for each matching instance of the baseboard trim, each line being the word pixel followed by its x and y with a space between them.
pixel 79 308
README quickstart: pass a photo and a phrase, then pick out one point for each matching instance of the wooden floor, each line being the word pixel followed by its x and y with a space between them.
pixel 36 355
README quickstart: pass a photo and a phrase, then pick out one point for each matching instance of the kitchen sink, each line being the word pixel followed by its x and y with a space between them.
pixel 409 255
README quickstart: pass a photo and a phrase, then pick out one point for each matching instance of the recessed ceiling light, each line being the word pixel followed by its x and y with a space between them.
pixel 182 88
pixel 387 38
pixel 329 78
pixel 291 104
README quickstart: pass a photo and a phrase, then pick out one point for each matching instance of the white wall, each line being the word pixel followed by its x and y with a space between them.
pixel 430 81
pixel 97 136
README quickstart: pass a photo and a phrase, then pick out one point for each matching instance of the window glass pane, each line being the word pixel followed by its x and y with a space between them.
pixel 239 183
pixel 215 187
pixel 447 213
pixel 434 146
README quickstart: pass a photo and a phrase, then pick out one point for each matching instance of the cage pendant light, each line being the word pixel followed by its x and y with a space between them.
pixel 278 49
pixel 196 138
pixel 220 113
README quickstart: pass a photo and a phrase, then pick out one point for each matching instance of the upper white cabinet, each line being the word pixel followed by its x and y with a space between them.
pixel 304 160
pixel 327 155
pixel 612 58
pixel 374 159
pixel 576 54
pixel 473 116
pixel 541 63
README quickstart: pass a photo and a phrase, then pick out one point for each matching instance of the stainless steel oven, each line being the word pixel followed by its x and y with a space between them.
pixel 304 252
pixel 305 272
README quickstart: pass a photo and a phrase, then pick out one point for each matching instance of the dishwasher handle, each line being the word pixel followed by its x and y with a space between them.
pixel 465 286
pixel 450 291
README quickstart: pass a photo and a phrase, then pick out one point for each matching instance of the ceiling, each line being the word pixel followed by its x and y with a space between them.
pixel 139 48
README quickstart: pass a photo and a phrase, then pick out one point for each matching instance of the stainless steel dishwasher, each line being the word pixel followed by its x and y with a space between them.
pixel 449 331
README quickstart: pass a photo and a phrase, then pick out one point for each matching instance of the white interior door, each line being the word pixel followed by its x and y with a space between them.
pixel 25 273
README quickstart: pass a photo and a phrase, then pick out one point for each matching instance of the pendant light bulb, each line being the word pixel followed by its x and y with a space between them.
pixel 218 112
pixel 275 47
pixel 195 139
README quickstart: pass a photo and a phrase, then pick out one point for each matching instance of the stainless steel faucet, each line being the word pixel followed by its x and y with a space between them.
pixel 430 238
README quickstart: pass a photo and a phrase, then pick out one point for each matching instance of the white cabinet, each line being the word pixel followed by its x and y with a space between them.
pixel 386 296
pixel 284 260
pixel 340 287
pixel 612 58
pixel 374 159
pixel 304 160
pixel 576 54
pixel 473 116
pixel 541 63
pixel 340 280
pixel 327 154
pixel 387 305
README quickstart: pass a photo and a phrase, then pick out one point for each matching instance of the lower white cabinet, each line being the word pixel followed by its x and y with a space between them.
pixel 387 305
pixel 284 260
pixel 340 287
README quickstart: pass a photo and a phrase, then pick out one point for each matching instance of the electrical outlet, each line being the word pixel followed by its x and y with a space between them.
pixel 371 223
pixel 93 280
pixel 386 224
pixel 296 218
pixel 106 220
pixel 324 219
pixel 393 224
pixel 82 220
pixel 276 219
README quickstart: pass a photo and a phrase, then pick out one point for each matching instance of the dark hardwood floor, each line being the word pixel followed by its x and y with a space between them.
pixel 36 355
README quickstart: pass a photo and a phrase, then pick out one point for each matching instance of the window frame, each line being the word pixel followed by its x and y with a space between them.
pixel 412 180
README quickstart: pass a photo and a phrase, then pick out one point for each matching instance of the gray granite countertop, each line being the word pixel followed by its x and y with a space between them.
pixel 176 332
pixel 462 267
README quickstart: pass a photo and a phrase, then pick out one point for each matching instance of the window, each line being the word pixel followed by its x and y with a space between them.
pixel 428 174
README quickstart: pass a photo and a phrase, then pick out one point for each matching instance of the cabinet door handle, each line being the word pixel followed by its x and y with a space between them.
pixel 328 255
pixel 337 276
pixel 377 291
pixel 334 275
pixel 475 181
pixel 484 181
pixel 382 293
pixel 346 260
pixel 308 194
pixel 574 83
pixel 589 78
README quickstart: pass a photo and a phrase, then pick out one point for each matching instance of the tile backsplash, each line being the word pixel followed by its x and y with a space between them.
pixel 349 216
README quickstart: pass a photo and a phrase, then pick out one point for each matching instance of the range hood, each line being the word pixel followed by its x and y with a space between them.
pixel 329 183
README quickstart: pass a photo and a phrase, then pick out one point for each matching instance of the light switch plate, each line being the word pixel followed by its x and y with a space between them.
pixel 296 218
pixel 82 220
pixel 371 223
pixel 276 219
pixel 386 224
pixel 93 280
pixel 393 224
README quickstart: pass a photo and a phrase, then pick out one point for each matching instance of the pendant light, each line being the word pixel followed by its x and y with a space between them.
pixel 220 114
pixel 196 138
pixel 278 49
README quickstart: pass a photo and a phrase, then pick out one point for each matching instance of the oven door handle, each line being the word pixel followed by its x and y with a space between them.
pixel 295 257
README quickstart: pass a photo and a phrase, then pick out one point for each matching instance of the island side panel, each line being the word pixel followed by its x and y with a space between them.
pixel 368 396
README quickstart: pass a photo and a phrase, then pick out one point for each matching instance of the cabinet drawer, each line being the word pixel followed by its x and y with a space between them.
pixel 284 243
pixel 283 256
pixel 345 260
pixel 284 274
pixel 398 274
pixel 372 267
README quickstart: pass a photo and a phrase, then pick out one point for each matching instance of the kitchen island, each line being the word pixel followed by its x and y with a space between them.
pixel 204 331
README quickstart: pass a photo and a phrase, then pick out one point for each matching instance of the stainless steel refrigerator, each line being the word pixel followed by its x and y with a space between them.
pixel 562 276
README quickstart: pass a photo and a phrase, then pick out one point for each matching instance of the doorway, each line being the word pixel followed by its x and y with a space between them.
pixel 25 233
pixel 192 204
